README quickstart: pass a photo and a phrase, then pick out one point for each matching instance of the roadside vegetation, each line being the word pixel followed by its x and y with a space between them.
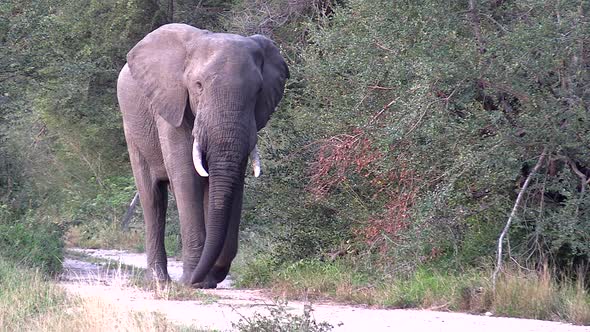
pixel 518 293
pixel 30 302
pixel 407 133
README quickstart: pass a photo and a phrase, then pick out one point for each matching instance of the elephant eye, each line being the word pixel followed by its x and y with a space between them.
pixel 198 87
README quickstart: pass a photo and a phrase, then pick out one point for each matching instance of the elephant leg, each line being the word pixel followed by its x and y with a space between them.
pixel 230 247
pixel 188 188
pixel 153 195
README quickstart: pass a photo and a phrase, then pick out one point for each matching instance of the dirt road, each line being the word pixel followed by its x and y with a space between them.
pixel 229 305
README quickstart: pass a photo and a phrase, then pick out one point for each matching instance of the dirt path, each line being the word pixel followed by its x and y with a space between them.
pixel 228 304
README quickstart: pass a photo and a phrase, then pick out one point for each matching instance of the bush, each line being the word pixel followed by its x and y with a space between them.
pixel 255 273
pixel 33 241
pixel 431 119
pixel 280 320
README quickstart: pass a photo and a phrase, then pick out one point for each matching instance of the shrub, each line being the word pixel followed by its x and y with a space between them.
pixel 431 118
pixel 33 241
pixel 280 320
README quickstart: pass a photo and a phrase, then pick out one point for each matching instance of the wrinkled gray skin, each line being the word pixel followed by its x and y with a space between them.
pixel 180 85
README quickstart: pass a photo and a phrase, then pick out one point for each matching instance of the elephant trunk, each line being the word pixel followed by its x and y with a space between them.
pixel 226 160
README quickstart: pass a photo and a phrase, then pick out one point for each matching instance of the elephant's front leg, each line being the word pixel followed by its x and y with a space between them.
pixel 188 188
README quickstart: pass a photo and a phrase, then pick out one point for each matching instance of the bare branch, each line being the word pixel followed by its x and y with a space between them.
pixel 130 211
pixel 376 87
pixel 513 214
pixel 378 114
pixel 583 182
pixel 489 17
pixel 476 26
pixel 384 47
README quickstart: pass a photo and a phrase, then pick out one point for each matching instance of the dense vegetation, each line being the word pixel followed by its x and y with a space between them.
pixel 407 131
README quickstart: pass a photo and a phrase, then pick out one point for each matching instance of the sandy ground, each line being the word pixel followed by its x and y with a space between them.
pixel 229 305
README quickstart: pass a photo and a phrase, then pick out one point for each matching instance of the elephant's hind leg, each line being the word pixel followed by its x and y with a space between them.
pixel 153 195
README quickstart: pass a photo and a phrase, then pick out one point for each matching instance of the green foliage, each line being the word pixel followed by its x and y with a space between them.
pixel 404 137
pixel 255 273
pixel 111 196
pixel 429 288
pixel 281 320
pixel 431 119
pixel 34 242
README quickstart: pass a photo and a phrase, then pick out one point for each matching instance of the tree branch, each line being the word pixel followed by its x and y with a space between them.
pixel 583 182
pixel 130 211
pixel 513 214
pixel 476 26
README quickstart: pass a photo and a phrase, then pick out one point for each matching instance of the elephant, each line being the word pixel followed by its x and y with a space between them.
pixel 192 103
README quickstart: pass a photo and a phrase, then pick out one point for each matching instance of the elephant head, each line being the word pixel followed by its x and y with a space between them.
pixel 231 85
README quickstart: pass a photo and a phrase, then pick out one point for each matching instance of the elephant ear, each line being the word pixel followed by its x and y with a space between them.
pixel 157 63
pixel 274 74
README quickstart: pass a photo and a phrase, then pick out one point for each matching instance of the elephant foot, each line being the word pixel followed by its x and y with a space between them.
pixel 208 283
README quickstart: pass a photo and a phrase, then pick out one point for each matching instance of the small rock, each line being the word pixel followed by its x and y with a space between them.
pixel 488 314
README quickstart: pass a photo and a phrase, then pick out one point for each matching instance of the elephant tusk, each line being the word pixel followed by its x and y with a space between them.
pixel 198 160
pixel 255 161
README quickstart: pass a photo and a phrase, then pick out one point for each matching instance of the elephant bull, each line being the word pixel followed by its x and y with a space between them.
pixel 192 104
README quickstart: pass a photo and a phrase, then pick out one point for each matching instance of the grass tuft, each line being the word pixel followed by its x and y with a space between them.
pixel 536 294
pixel 25 294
